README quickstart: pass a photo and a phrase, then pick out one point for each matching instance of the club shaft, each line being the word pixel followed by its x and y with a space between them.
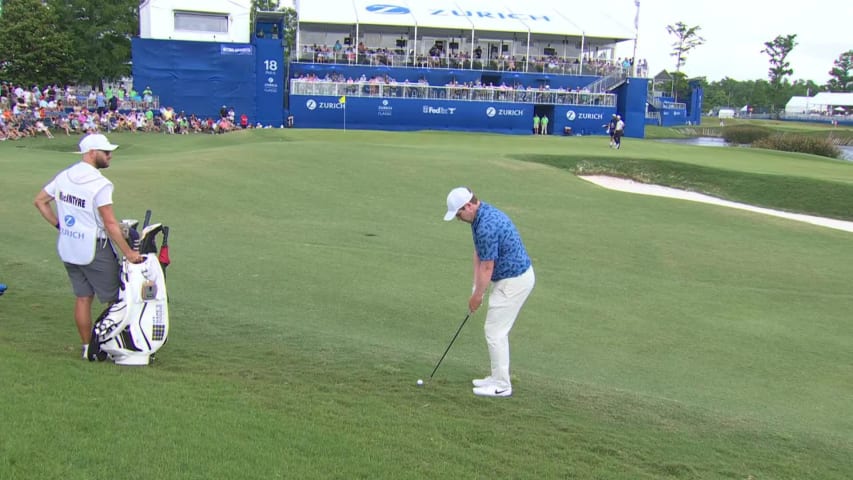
pixel 147 219
pixel 450 345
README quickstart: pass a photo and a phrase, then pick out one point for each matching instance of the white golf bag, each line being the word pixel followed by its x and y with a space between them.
pixel 133 328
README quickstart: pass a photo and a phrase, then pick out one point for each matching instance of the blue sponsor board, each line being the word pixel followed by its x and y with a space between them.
pixel 269 89
pixel 313 111
pixel 198 77
pixel 583 120
pixel 673 116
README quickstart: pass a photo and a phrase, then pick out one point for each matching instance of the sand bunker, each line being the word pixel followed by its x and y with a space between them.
pixel 624 185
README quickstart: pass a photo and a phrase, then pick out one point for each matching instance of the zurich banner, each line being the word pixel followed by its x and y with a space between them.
pixel 312 111
pixel 582 119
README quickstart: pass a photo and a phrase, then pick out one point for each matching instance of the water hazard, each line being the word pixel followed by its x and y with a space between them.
pixel 846 151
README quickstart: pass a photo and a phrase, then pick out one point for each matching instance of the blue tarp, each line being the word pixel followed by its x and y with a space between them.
pixel 197 77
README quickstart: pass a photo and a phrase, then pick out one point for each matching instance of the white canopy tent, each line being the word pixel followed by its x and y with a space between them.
pixel 823 102
pixel 582 25
pixel 828 101
pixel 797 106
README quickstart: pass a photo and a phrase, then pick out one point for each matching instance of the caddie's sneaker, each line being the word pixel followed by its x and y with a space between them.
pixel 493 391
pixel 483 382
pixel 85 349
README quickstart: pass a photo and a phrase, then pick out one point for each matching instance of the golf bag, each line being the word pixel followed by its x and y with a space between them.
pixel 132 329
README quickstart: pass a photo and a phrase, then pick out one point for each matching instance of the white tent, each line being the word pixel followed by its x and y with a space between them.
pixel 823 102
pixel 826 101
pixel 562 19
pixel 560 27
pixel 798 106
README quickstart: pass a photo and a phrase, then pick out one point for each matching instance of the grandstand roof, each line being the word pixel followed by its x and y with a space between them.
pixel 571 19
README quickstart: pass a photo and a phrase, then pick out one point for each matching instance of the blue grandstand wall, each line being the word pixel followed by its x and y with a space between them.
pixel 200 77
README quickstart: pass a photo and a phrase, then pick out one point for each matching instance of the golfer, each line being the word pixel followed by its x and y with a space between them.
pixel 500 260
pixel 618 132
pixel 611 129
pixel 88 231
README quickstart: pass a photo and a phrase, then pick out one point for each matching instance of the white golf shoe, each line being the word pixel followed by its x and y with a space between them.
pixel 493 391
pixel 483 382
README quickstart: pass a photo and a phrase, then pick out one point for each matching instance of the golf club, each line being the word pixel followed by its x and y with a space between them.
pixel 450 345
pixel 147 219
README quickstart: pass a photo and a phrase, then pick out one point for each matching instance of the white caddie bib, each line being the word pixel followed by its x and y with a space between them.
pixel 79 220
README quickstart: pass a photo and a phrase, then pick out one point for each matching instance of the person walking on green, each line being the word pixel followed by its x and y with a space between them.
pixel 535 124
pixel 543 125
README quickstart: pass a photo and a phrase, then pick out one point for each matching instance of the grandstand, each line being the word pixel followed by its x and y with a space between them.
pixel 464 64
pixel 453 34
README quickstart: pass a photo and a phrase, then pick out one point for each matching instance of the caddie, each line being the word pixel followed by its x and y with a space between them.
pixel 89 234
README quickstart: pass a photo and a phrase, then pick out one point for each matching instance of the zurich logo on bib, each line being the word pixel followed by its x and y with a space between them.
pixel 388 9
pixel 69 221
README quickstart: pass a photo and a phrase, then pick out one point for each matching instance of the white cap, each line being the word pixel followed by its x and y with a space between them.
pixel 96 141
pixel 456 199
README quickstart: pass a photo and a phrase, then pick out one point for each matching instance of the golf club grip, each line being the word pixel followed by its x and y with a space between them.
pixel 147 219
pixel 450 345
pixel 165 237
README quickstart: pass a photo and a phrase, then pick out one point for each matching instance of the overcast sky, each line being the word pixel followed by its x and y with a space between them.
pixel 735 32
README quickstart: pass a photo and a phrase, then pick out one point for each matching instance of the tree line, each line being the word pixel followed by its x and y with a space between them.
pixel 761 95
pixel 66 41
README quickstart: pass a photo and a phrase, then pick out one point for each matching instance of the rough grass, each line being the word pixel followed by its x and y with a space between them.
pixel 799 143
pixel 787 193
pixel 710 127
pixel 745 134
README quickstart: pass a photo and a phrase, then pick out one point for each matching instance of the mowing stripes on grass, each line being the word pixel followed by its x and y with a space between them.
pixel 311 271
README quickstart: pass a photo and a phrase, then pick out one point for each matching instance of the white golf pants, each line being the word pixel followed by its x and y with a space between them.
pixel 505 301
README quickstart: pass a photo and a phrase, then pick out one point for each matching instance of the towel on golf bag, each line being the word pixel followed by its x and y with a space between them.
pixel 137 325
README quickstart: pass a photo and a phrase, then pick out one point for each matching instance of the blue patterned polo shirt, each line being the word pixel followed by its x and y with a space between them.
pixel 496 238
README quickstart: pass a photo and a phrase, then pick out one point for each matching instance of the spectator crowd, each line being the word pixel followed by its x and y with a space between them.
pixel 385 85
pixel 443 55
pixel 33 111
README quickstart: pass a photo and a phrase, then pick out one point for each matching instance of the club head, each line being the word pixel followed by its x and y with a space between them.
pixel 131 223
pixel 147 241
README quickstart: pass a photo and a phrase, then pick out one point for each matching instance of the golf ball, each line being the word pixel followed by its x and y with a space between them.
pixel 420 383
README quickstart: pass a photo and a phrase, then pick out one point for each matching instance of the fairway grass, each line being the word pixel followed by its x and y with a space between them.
pixel 313 282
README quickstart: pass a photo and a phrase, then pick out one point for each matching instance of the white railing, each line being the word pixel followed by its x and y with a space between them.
pixel 450 92
pixel 605 83
pixel 547 65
